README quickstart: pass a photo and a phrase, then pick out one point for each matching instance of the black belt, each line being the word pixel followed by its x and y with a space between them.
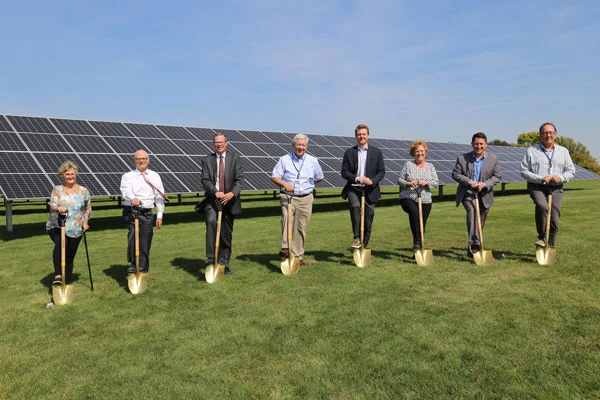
pixel 303 195
pixel 142 210
pixel 541 186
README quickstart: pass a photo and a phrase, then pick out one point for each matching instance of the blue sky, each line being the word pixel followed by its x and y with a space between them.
pixel 433 70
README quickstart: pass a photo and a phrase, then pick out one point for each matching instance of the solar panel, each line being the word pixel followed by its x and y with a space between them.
pixel 33 148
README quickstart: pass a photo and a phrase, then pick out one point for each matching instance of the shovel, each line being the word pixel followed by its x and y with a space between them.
pixel 423 256
pixel 137 282
pixel 362 256
pixel 291 264
pixel 481 257
pixel 546 255
pixel 62 294
pixel 215 271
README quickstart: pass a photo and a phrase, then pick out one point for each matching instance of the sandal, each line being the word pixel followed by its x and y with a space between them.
pixel 57 280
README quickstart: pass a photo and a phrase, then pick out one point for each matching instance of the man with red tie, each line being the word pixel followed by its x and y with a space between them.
pixel 142 188
pixel 221 178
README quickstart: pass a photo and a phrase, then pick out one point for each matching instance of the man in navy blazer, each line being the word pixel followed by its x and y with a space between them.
pixel 226 193
pixel 476 172
pixel 362 164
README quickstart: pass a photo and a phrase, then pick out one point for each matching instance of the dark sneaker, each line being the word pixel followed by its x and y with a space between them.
pixel 131 270
pixel 57 281
pixel 540 243
pixel 355 244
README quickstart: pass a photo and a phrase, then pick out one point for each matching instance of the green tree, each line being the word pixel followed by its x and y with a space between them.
pixel 528 139
pixel 586 161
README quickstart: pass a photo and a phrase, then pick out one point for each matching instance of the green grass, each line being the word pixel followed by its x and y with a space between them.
pixel 391 330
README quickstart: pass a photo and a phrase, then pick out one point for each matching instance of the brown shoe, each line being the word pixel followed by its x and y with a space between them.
pixel 303 263
pixel 284 253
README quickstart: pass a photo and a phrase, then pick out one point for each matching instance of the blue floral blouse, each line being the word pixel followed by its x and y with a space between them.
pixel 79 208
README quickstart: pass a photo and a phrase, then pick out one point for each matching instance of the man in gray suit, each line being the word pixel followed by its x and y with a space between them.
pixel 476 173
pixel 221 178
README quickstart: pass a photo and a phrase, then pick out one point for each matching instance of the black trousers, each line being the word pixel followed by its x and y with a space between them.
pixel 412 209
pixel 146 226
pixel 227 219
pixel 354 202
pixel 71 245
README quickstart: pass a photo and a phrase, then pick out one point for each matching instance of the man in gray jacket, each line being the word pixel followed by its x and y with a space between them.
pixel 476 173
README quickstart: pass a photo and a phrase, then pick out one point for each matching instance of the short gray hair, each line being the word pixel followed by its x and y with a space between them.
pixel 301 136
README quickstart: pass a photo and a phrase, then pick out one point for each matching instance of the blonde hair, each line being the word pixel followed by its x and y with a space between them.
pixel 67 165
pixel 417 143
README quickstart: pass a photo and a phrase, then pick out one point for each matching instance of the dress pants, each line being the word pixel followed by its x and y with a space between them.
pixel 227 219
pixel 354 202
pixel 71 245
pixel 301 213
pixel 468 203
pixel 538 195
pixel 412 209
pixel 146 226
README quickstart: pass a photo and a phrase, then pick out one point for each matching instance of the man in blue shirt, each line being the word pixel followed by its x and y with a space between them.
pixel 476 172
pixel 546 167
pixel 296 174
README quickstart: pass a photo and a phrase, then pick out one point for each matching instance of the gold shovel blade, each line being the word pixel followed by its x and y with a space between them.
pixel 362 257
pixel 214 272
pixel 63 294
pixel 290 265
pixel 545 255
pixel 483 257
pixel 424 257
pixel 137 282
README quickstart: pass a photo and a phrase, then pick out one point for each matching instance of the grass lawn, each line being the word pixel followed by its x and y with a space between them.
pixel 392 330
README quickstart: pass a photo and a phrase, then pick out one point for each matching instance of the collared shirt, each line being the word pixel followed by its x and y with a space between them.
pixel 134 185
pixel 218 168
pixel 538 163
pixel 362 162
pixel 477 164
pixel 298 172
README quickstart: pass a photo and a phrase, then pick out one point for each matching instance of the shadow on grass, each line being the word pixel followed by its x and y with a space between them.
pixel 267 260
pixel 119 273
pixel 190 265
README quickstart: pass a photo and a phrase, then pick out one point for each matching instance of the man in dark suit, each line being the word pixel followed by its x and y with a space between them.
pixel 221 177
pixel 362 164
pixel 476 172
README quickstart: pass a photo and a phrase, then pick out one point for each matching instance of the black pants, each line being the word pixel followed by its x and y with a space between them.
pixel 354 201
pixel 227 220
pixel 146 226
pixel 71 245
pixel 412 209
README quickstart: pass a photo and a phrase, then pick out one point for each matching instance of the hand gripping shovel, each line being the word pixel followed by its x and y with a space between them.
pixel 546 255
pixel 137 282
pixel 62 294
pixel 481 257
pixel 215 271
pixel 291 264
pixel 423 257
pixel 362 256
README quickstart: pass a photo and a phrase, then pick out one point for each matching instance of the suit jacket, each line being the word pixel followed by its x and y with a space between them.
pixel 374 170
pixel 463 173
pixel 233 181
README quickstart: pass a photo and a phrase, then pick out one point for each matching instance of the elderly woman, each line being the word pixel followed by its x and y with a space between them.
pixel 71 202
pixel 417 175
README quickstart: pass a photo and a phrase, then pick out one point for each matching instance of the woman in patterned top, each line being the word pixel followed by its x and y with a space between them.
pixel 417 175
pixel 73 202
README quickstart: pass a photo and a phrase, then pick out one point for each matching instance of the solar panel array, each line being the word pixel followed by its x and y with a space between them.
pixel 33 148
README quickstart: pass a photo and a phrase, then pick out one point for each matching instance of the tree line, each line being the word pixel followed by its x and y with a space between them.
pixel 579 153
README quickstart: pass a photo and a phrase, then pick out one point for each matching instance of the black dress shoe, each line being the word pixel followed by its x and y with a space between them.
pixel 475 247
pixel 284 253
pixel 228 270
pixel 131 270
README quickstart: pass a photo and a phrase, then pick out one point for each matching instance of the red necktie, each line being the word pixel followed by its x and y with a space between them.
pixel 221 175
pixel 164 196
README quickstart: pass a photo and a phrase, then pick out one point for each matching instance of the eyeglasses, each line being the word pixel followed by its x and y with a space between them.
pixel 548 133
pixel 141 158
pixel 216 143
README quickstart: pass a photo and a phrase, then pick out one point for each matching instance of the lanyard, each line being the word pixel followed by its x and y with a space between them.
pixel 294 164
pixel 548 157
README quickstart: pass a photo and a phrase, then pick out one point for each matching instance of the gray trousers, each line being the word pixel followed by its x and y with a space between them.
pixel 468 203
pixel 301 213
pixel 538 195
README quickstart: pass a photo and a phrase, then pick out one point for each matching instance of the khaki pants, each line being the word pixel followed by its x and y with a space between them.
pixel 301 213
